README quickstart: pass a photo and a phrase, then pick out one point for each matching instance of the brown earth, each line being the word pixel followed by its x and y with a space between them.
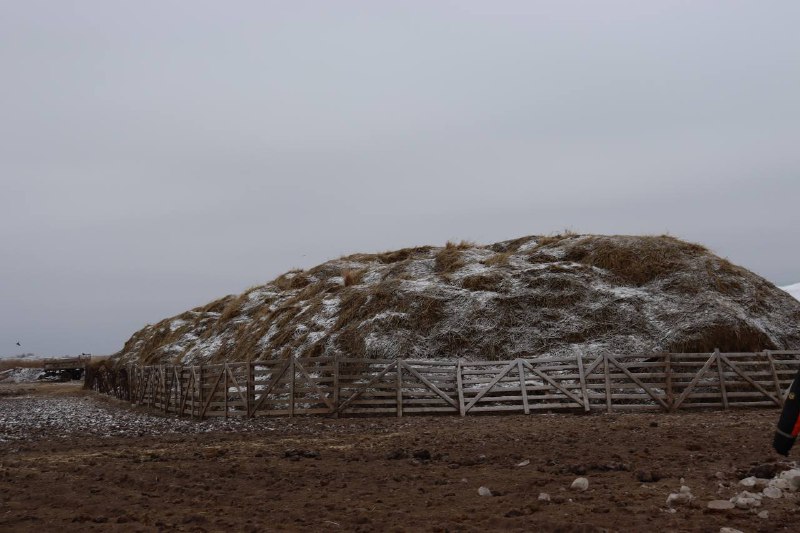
pixel 122 472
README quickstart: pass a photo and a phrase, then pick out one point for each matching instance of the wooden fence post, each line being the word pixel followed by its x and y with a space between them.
pixel 336 386
pixel 225 387
pixel 721 374
pixel 460 386
pixel 523 388
pixel 582 375
pixel 399 385
pixel 608 382
pixel 668 378
pixel 768 353
pixel 291 387
pixel 200 386
pixel 251 385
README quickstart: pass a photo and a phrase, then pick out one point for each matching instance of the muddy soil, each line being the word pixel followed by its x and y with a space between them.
pixel 77 462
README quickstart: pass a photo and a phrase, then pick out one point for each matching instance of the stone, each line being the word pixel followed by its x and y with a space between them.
pixel 422 455
pixel 746 500
pixel 580 484
pixel 748 482
pixel 647 476
pixel 526 462
pixel 773 492
pixel 763 515
pixel 720 505
pixel 729 530
pixel 766 470
pixel 484 491
pixel 792 478
pixel 544 497
pixel 780 483
pixel 679 498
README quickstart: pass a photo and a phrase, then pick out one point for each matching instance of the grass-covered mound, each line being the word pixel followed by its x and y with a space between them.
pixel 519 298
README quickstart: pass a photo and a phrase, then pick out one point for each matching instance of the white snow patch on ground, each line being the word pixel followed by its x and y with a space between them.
pixel 177 324
pixel 530 245
pixel 21 375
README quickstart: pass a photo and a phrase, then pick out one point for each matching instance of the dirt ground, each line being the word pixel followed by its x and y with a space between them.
pixel 79 462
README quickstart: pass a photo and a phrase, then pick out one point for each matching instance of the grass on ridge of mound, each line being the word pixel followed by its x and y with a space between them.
pixel 448 260
pixel 635 260
pixel 352 277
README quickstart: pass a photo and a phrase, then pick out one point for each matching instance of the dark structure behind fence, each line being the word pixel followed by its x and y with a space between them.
pixel 345 386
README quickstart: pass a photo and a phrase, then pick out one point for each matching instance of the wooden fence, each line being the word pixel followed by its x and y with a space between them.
pixel 347 387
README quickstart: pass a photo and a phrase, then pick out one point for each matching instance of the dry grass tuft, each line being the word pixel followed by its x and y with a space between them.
pixel 448 260
pixel 498 259
pixel 352 277
pixel 294 279
pixel 482 283
pixel 635 260
pixel 387 258
pixel 233 308
pixel 217 306
pixel 547 240
pixel 738 337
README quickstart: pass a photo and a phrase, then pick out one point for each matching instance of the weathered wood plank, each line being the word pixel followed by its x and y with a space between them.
pixel 639 382
pixel 483 392
pixel 694 381
pixel 747 378
pixel 579 360
pixel 434 388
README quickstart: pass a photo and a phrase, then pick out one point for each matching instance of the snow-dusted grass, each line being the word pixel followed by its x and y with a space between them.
pixel 519 298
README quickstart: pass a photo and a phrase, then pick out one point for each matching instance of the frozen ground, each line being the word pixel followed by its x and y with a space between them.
pixel 45 411
pixel 75 462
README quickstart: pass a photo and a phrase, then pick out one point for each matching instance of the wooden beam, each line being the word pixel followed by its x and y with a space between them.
pixel 251 387
pixel 272 384
pixel 774 375
pixel 608 383
pixel 668 381
pixel 460 387
pixel 238 387
pixel 427 383
pixel 186 392
pixel 200 385
pixel 579 359
pixel 721 374
pixel 291 386
pixel 553 383
pixel 523 389
pixel 594 364
pixel 313 384
pixel 638 382
pixel 491 385
pixel 399 385
pixel 366 386
pixel 335 412
pixel 211 395
pixel 747 378
pixel 694 381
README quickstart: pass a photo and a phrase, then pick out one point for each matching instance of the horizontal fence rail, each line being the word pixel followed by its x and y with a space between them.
pixel 344 386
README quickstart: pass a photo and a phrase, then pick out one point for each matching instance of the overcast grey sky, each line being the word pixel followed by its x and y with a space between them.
pixel 157 155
